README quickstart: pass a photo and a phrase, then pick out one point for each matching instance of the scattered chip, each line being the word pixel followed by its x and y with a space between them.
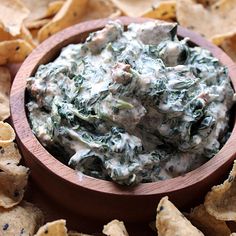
pixel 24 34
pixel 159 9
pixel 218 19
pixel 208 224
pixel 5 85
pixel 100 9
pixel 22 220
pixel 9 154
pixel 70 13
pixel 12 15
pixel 220 202
pixel 207 3
pixel 171 222
pixel 7 135
pixel 38 9
pixel 14 51
pixel 115 228
pixel 55 228
pixel 37 24
pixel 13 180
pixel 54 7
pixel 227 43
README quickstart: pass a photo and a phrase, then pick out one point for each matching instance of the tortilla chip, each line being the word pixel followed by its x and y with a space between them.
pixel 220 202
pixel 207 3
pixel 55 228
pixel 115 228
pixel 14 51
pixel 218 19
pixel 171 222
pixel 38 9
pixel 70 13
pixel 7 135
pixel 100 9
pixel 12 15
pixel 227 43
pixel 161 9
pixel 13 180
pixel 5 85
pixel 24 34
pixel 22 220
pixel 37 24
pixel 9 154
pixel 208 224
pixel 54 7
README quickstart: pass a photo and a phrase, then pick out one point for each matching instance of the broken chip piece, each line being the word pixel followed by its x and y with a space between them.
pixel 115 228
pixel 5 85
pixel 218 19
pixel 55 228
pixel 7 134
pixel 22 220
pixel 14 51
pixel 13 181
pixel 171 222
pixel 40 9
pixel 9 154
pixel 100 9
pixel 208 224
pixel 69 14
pixel 12 15
pixel 159 9
pixel 220 202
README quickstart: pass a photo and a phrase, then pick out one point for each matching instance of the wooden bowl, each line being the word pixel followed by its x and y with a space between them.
pixel 98 199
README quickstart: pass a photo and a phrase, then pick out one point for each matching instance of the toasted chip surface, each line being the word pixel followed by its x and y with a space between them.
pixel 55 228
pixel 54 7
pixel 100 9
pixel 7 134
pixel 159 9
pixel 165 10
pixel 115 228
pixel 5 85
pixel 207 3
pixel 217 19
pixel 171 222
pixel 9 154
pixel 13 180
pixel 70 13
pixel 12 14
pixel 220 202
pixel 14 51
pixel 38 9
pixel 227 43
pixel 22 220
pixel 208 224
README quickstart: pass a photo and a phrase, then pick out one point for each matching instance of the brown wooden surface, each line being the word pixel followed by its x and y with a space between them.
pixel 98 201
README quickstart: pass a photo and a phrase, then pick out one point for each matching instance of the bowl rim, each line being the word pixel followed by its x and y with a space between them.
pixel 42 157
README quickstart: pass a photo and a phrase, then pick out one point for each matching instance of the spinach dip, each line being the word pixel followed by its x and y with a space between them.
pixel 131 106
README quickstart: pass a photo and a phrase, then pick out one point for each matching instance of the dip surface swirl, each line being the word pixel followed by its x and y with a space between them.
pixel 131 106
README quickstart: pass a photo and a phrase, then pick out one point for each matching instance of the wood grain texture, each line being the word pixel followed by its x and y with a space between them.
pixel 98 199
